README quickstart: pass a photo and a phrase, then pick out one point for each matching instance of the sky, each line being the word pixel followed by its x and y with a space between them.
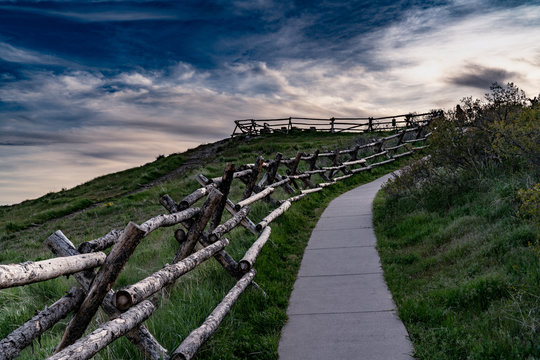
pixel 93 87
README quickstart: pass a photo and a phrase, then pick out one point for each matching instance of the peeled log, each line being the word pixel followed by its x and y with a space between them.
pixel 90 345
pixel 169 219
pixel 309 191
pixel 294 198
pixel 193 197
pixel 134 294
pixel 355 162
pixel 256 197
pixel 101 243
pixel 12 344
pixel 31 272
pixel 273 215
pixel 343 177
pixel 375 155
pixel 367 168
pixel 382 162
pixel 253 252
pixel 397 156
pixel 197 337
pixel 103 282
pixel 229 224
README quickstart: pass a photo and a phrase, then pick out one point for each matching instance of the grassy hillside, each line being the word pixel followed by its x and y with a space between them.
pixel 459 234
pixel 90 210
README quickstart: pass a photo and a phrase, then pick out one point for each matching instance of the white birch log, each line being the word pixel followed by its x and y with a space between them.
pixel 258 196
pixel 393 148
pixel 397 156
pixel 273 215
pixel 356 171
pixel 197 337
pixel 323 185
pixel 229 224
pixel 279 183
pixel 375 155
pixel 106 333
pixel 382 162
pixel 237 174
pixel 343 177
pixel 169 219
pixel 309 191
pixel 320 171
pixel 419 147
pixel 253 252
pixel 30 272
pixel 334 168
pixel 11 345
pixel 293 199
pixel 299 176
pixel 193 197
pixel 101 243
pixel 354 162
pixel 415 140
pixel 134 294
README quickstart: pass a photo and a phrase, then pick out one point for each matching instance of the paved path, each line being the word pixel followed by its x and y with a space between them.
pixel 340 307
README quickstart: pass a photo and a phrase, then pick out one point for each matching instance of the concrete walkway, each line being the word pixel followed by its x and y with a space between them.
pixel 340 307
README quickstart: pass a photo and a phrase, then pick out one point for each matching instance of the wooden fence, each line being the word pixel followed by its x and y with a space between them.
pixel 359 124
pixel 130 306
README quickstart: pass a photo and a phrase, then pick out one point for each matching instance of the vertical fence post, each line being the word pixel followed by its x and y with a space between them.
pixel 370 124
pixel 290 125
pixel 332 120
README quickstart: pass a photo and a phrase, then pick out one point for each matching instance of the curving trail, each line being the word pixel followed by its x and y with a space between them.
pixel 340 307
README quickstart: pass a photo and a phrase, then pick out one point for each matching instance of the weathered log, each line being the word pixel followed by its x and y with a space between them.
pixel 376 155
pixel 319 171
pixel 229 206
pixel 273 169
pixel 299 176
pixel 293 168
pixel 238 174
pixel 343 177
pixel 250 184
pixel 169 219
pixel 254 198
pixel 253 252
pixel 334 168
pixel 279 183
pixel 196 229
pixel 229 224
pixel 415 140
pixel 197 337
pixel 224 187
pixel 419 147
pixel 101 243
pixel 12 344
pixel 134 294
pixel 293 199
pixel 106 333
pixel 393 148
pixel 169 204
pixel 60 245
pixel 273 215
pixel 356 171
pixel 286 186
pixel 323 185
pixel 192 198
pixel 30 272
pixel 354 162
pixel 103 282
pixel 397 156
pixel 309 191
pixel 382 162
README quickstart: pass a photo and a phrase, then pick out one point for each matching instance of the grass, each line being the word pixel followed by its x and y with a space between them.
pixel 252 329
pixel 464 270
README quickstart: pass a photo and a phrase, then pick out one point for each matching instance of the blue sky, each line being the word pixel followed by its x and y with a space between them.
pixel 92 87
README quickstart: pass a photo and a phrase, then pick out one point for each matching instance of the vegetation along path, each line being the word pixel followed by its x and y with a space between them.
pixel 340 307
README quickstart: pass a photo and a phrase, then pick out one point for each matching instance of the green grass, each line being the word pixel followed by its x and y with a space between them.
pixel 252 329
pixel 463 269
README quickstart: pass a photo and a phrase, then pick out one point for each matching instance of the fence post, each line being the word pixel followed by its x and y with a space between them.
pixel 370 124
pixel 332 120
pixel 290 125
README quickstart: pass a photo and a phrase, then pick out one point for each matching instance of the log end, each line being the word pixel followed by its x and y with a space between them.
pixel 180 235
pixel 244 266
pixel 237 207
pixel 123 300
pixel 212 238
pixel 258 227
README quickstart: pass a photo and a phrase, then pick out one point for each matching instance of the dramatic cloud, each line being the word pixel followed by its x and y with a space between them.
pixel 87 89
